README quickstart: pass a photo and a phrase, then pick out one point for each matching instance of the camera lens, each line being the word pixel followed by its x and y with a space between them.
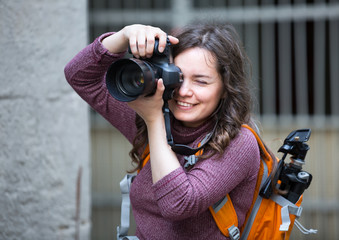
pixel 129 78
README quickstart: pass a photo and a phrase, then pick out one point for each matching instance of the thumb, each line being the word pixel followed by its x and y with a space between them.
pixel 173 40
pixel 160 87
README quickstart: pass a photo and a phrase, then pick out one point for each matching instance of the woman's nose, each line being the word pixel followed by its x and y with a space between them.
pixel 185 89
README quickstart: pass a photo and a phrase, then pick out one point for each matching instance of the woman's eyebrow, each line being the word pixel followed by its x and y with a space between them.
pixel 201 76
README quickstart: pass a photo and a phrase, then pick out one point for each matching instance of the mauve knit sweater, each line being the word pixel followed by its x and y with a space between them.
pixel 176 207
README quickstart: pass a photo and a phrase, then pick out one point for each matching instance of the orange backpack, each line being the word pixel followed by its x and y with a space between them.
pixel 270 217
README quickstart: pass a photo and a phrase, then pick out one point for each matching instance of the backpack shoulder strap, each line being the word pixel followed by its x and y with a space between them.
pixel 226 218
pixel 263 150
pixel 223 212
pixel 266 168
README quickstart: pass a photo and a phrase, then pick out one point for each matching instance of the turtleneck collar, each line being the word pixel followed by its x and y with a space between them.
pixel 186 135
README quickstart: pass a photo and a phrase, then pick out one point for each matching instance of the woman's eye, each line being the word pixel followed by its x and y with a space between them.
pixel 201 82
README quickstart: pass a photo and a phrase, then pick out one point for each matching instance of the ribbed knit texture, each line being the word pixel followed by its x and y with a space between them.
pixel 176 207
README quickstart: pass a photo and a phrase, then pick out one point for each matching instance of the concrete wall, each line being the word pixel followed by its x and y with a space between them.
pixel 44 130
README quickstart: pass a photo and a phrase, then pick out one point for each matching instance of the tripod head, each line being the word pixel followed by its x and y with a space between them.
pixel 295 145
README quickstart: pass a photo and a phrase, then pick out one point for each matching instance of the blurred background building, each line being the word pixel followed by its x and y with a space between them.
pixel 294 48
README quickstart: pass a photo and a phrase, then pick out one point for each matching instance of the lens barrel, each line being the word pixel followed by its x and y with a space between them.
pixel 127 79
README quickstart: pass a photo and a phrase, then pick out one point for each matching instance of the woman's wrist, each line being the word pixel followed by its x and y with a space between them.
pixel 115 43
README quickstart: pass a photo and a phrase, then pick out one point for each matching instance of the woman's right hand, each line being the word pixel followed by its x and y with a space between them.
pixel 140 38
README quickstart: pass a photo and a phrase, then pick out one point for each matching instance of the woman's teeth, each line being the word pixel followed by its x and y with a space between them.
pixel 184 104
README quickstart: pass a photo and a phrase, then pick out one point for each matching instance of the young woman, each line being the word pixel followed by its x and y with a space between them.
pixel 170 201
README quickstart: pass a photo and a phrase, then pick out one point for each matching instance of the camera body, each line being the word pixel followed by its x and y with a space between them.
pixel 127 79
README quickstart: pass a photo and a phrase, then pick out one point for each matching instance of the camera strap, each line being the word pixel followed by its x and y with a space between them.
pixel 181 148
pixel 166 112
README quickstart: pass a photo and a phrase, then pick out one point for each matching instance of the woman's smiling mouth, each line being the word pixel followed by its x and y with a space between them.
pixel 184 104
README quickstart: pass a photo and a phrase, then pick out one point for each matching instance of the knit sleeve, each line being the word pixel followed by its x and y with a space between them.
pixel 86 74
pixel 183 194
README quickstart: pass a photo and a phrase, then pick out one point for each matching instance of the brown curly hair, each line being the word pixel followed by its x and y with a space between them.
pixel 233 66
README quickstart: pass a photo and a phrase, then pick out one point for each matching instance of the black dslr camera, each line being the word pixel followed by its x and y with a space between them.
pixel 293 180
pixel 127 79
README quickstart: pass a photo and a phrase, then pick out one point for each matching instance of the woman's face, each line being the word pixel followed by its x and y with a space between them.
pixel 201 90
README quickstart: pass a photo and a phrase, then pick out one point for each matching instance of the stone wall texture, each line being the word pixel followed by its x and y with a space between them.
pixel 44 125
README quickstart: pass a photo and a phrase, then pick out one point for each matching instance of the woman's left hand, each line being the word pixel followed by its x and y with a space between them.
pixel 150 107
